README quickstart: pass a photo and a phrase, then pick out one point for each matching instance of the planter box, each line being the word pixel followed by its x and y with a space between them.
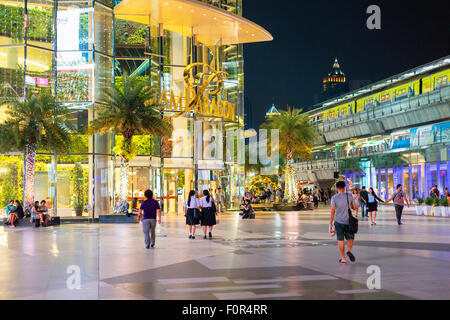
pixel 444 211
pixel 419 210
pixel 427 210
pixel 437 211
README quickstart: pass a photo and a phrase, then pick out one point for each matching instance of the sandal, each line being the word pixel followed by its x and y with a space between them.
pixel 351 256
pixel 340 260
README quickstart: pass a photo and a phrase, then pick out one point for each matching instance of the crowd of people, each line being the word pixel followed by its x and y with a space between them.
pixel 343 204
pixel 38 213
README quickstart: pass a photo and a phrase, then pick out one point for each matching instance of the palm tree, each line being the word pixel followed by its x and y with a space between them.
pixel 38 122
pixel 131 110
pixel 296 135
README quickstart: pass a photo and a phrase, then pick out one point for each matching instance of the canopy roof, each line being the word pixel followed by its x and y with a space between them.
pixel 210 24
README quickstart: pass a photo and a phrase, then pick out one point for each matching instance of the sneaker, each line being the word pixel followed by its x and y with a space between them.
pixel 193 237
pixel 147 247
pixel 204 237
pixel 152 245
pixel 210 235
pixel 190 236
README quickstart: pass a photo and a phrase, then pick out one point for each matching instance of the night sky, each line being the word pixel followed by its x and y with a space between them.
pixel 308 35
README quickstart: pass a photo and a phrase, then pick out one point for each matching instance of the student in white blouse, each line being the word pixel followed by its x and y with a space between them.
pixel 208 218
pixel 192 213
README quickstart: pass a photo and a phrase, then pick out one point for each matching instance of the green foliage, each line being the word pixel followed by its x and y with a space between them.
pixel 444 202
pixel 11 179
pixel 39 121
pixel 436 201
pixel 131 110
pixel 181 179
pixel 296 134
pixel 429 201
pixel 80 187
pixel 420 200
pixel 40 23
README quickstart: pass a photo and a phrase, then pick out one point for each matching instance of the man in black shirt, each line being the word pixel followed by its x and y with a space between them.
pixel 364 199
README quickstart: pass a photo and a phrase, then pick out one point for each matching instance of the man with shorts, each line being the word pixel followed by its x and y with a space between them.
pixel 341 202
pixel 399 198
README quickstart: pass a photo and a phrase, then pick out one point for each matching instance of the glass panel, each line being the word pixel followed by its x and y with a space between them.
pixel 43 182
pixel 39 72
pixel 73 185
pixel 103 29
pixel 74 26
pixel 40 25
pixel 11 22
pixel 75 76
pixel 11 180
pixel 103 77
pixel 11 72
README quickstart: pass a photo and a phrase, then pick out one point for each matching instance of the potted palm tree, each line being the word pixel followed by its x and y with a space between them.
pixel 39 122
pixel 80 189
pixel 428 205
pixel 419 207
pixel 444 207
pixel 131 110
pixel 296 138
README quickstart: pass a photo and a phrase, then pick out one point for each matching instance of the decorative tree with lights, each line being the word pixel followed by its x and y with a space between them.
pixel 296 140
pixel 37 123
pixel 131 110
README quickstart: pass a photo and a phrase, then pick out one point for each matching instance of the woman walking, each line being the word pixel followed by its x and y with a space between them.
pixel 208 218
pixel 356 199
pixel 372 206
pixel 191 212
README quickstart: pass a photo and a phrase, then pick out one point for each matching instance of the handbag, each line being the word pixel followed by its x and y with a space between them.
pixel 213 206
pixel 352 221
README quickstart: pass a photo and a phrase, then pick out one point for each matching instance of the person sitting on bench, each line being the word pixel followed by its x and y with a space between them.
pixel 35 212
pixel 43 214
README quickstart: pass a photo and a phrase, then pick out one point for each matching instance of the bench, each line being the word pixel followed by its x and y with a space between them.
pixel 117 219
pixel 25 222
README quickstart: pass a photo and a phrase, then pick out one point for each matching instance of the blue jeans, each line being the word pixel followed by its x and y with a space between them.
pixel 364 212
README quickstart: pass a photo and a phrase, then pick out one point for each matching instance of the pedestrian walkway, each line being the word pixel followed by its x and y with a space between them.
pixel 286 255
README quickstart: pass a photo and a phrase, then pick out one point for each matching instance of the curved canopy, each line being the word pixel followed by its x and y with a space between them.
pixel 210 24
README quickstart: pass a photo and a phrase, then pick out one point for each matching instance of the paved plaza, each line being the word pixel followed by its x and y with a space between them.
pixel 287 255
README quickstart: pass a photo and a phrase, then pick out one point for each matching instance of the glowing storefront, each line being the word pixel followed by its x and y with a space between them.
pixel 77 49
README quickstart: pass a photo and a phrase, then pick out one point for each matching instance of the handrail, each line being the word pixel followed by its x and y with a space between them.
pixel 391 108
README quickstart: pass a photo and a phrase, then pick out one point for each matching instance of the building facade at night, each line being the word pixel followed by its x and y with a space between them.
pixel 393 131
pixel 77 49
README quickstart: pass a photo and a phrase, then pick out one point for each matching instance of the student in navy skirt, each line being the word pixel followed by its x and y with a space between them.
pixel 192 213
pixel 208 217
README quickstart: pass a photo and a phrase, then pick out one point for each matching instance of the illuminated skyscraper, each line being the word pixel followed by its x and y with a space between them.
pixel 335 81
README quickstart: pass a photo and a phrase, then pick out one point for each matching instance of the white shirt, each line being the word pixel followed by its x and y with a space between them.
pixel 204 203
pixel 194 203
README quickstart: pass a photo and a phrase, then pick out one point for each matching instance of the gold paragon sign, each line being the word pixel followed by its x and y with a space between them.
pixel 198 101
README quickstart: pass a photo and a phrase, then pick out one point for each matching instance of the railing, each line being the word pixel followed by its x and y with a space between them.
pixel 413 103
pixel 315 164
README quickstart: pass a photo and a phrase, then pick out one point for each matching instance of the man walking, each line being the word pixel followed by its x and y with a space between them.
pixel 364 199
pixel 151 208
pixel 316 197
pixel 341 202
pixel 399 198
pixel 219 200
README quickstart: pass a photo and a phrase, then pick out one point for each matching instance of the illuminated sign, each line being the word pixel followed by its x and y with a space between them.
pixel 197 95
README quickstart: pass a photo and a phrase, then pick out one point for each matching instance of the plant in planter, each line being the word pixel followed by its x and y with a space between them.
pixel 419 207
pixel 444 207
pixel 80 188
pixel 428 205
pixel 437 208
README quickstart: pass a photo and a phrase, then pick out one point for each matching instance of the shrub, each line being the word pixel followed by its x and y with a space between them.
pixel 429 201
pixel 444 202
pixel 420 200
pixel 436 202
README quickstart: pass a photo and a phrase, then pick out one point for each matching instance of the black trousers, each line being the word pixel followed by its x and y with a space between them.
pixel 398 212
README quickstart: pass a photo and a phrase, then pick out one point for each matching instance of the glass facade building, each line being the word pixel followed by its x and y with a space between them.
pixel 77 49
pixel 396 131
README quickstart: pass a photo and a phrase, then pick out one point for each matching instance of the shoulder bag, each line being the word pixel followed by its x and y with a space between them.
pixel 352 221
